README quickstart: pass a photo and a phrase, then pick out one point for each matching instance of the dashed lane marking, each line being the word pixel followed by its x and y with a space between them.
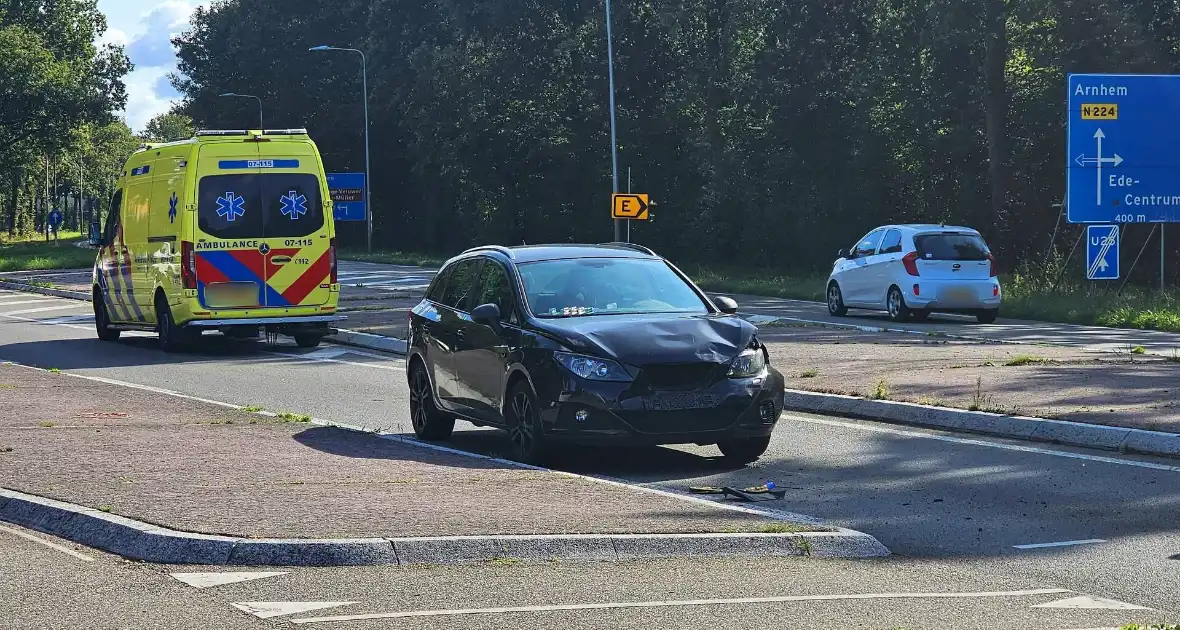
pixel 47 543
pixel 670 604
pixel 207 580
pixel 1064 543
pixel 1085 602
pixel 266 610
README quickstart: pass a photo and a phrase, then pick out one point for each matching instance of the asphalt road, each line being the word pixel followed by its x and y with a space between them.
pixel 955 501
pixel 362 278
pixel 47 583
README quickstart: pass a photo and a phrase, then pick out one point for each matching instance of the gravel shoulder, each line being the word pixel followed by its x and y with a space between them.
pixel 1124 390
pixel 202 468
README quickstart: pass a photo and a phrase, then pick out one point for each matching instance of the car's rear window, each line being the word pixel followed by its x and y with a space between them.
pixel 270 205
pixel 950 246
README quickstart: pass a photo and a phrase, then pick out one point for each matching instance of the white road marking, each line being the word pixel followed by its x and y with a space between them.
pixel 1091 603
pixel 65 320
pixel 266 610
pixel 206 580
pixel 1064 543
pixel 325 353
pixel 47 543
pixel 44 309
pixel 308 357
pixel 977 442
pixel 4 301
pixel 668 604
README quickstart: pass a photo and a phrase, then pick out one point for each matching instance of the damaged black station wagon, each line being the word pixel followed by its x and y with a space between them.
pixel 591 344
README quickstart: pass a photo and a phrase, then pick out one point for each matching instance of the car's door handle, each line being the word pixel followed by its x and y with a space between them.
pixel 460 335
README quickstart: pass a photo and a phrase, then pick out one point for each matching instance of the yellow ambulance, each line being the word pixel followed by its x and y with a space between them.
pixel 230 231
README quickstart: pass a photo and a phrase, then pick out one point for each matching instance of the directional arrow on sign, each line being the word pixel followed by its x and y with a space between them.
pixel 629 206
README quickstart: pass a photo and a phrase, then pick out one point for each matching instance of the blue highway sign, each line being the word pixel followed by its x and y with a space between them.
pixel 1102 252
pixel 55 218
pixel 1122 161
pixel 348 196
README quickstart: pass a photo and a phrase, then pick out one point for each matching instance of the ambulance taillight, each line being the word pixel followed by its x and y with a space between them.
pixel 188 265
pixel 332 259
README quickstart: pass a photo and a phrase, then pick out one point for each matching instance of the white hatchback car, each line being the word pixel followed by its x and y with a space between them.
pixel 914 270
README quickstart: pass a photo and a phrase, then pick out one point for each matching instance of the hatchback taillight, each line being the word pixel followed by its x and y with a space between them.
pixel 911 263
pixel 991 262
pixel 188 265
pixel 332 259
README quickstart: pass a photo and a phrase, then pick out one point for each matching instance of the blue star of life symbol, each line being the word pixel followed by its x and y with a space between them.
pixel 264 249
pixel 294 204
pixel 231 207
pixel 172 208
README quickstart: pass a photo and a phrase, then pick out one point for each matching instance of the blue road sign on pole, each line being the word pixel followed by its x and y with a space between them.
pixel 348 196
pixel 1102 252
pixel 1121 149
pixel 55 219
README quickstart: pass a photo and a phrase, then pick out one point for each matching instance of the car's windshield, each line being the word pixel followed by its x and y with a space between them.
pixel 604 286
pixel 950 246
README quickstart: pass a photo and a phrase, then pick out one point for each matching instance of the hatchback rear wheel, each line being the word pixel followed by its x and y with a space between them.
pixel 987 316
pixel 895 303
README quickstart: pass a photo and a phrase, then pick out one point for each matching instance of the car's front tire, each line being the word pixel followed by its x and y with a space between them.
pixel 987 316
pixel 744 450
pixel 895 304
pixel 429 422
pixel 102 320
pixel 836 306
pixel 527 440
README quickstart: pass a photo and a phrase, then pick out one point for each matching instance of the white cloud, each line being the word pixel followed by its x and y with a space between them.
pixel 145 28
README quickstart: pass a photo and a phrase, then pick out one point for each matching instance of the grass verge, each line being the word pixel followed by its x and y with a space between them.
pixel 391 257
pixel 34 254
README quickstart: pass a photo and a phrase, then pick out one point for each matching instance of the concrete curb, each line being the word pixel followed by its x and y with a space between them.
pixel 368 341
pixel 1019 427
pixel 29 288
pixel 151 543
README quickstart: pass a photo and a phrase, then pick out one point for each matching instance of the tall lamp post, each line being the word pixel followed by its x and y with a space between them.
pixel 261 126
pixel 614 144
pixel 368 181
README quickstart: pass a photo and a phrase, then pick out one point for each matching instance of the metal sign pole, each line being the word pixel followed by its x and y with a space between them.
pixel 614 144
pixel 628 192
pixel 1163 226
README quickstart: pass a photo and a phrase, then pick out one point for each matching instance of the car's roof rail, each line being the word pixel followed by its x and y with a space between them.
pixel 284 132
pixel 492 248
pixel 634 246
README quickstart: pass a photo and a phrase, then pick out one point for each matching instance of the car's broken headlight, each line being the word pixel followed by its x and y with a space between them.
pixel 751 362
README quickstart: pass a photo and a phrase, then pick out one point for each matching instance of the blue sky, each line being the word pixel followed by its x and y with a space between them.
pixel 145 28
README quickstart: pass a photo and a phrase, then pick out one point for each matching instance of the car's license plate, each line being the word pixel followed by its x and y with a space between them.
pixel 960 295
pixel 680 402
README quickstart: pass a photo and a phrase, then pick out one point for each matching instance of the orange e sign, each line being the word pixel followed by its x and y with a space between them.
pixel 629 206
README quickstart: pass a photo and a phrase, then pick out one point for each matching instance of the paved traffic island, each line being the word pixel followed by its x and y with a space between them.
pixel 1125 390
pixel 166 479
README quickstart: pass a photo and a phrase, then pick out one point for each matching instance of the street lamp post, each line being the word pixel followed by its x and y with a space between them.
pixel 368 179
pixel 261 126
pixel 614 144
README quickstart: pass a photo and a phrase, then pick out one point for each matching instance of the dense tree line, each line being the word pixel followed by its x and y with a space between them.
pixel 770 133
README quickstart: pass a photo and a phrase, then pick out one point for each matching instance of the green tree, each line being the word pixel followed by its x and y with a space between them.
pixel 168 128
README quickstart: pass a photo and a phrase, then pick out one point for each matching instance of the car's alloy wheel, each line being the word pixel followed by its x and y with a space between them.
pixel 898 311
pixel 744 450
pixel 102 320
pixel 524 428
pixel 428 421
pixel 836 306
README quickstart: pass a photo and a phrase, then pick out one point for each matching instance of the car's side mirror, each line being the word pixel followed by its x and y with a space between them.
pixel 95 234
pixel 725 304
pixel 488 314
pixel 844 254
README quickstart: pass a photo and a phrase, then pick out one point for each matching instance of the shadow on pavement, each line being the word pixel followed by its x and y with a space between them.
pixel 358 445
pixel 80 354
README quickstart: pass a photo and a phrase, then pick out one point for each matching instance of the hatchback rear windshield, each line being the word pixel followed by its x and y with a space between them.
pixel 950 246
pixel 606 286
pixel 270 205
